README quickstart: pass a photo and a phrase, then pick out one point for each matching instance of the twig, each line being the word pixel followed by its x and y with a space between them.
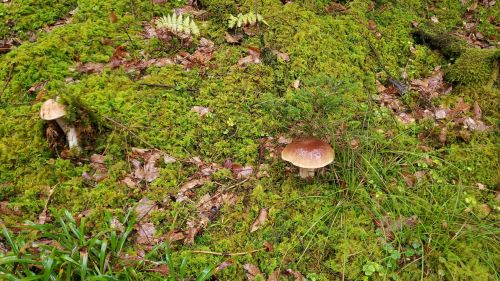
pixel 132 8
pixel 399 86
pixel 229 254
pixel 128 130
pixel 7 81
pixel 156 85
pixel 165 86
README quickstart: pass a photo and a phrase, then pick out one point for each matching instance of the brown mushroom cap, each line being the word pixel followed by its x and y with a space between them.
pixel 310 153
pixel 52 110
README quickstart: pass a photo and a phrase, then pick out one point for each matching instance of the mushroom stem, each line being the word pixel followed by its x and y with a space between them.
pixel 70 133
pixel 306 173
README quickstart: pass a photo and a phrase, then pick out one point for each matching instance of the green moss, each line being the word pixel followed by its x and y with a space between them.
pixel 475 67
pixel 324 227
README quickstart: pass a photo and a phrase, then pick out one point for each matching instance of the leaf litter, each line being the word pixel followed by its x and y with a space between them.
pixel 429 89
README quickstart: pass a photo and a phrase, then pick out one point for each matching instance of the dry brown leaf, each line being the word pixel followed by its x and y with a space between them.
pixel 38 86
pixel 201 110
pixel 282 56
pixel 186 190
pixel 243 172
pixel 443 134
pixel 480 186
pixel 335 8
pixel 118 57
pixel 147 169
pixel 144 207
pixel 474 125
pixel 269 247
pixel 274 276
pixel 372 25
pixel 251 271
pixel 223 265
pixel 112 17
pixel 162 269
pixel 129 182
pixel 260 221
pixel 409 179
pixel 89 67
pixel 145 234
pixel 100 170
pixel 175 235
pixel 6 210
pixel 233 39
pixel 116 225
pixel 295 274
pixel 478 113
pixel 253 57
pixel 208 208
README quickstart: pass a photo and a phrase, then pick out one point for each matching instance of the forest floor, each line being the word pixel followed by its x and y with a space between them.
pixel 180 172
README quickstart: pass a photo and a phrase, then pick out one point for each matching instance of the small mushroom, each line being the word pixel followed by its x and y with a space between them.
pixel 52 110
pixel 308 154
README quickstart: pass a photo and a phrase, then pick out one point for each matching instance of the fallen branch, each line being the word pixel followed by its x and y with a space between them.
pixel 156 85
pixel 399 86
pixel 7 81
pixel 229 254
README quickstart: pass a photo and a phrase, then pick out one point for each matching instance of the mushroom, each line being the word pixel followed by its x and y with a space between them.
pixel 308 154
pixel 52 110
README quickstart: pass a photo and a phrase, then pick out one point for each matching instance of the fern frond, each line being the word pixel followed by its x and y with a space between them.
pixel 244 20
pixel 178 25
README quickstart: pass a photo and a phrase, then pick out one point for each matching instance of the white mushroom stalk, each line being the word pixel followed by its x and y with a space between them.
pixel 52 110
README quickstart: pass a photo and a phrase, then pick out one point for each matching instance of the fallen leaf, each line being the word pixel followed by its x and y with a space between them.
pixel 296 84
pixel 440 113
pixel 202 111
pixel 474 125
pixel 406 118
pixel 372 25
pixel 295 274
pixel 208 208
pixel 480 186
pixel 269 247
pixel 145 234
pixel 243 172
pixel 162 269
pixel 251 271
pixel 147 168
pixel 175 235
pixel 274 276
pixel 260 221
pixel 253 57
pixel 38 86
pixel 233 39
pixel 100 170
pixel 186 190
pixel 409 179
pixel 443 134
pixel 6 210
pixel 144 207
pixel 89 67
pixel 335 8
pixel 223 265
pixel 129 182
pixel 112 17
pixel 485 209
pixel 116 225
pixel 282 56
pixel 118 57
pixel 478 113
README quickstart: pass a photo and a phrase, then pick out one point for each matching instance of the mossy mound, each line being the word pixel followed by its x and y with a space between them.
pixel 475 67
